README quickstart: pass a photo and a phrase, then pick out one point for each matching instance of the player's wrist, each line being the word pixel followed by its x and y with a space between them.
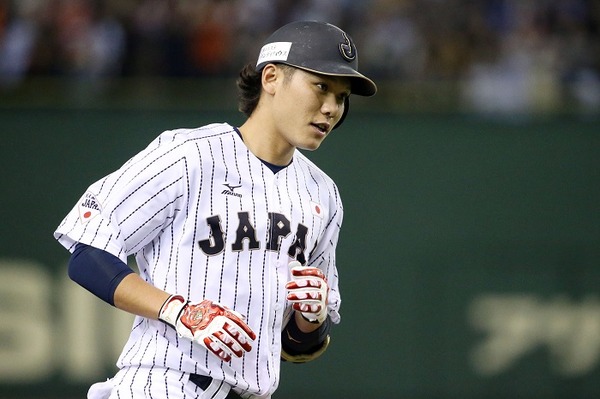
pixel 310 319
pixel 305 324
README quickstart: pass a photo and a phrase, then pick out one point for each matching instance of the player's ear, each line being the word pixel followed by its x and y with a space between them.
pixel 269 78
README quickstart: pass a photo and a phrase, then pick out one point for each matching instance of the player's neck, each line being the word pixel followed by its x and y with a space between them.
pixel 265 144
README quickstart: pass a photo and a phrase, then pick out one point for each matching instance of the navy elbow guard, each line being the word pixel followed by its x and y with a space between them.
pixel 97 271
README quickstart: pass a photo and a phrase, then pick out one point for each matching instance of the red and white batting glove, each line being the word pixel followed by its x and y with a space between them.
pixel 214 326
pixel 307 291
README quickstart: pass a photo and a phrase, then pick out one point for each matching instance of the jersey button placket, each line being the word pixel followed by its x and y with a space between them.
pixel 276 308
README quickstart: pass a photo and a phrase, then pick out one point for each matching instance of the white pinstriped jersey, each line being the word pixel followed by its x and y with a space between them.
pixel 207 219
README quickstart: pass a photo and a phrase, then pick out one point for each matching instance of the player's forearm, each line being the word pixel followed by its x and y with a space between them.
pixel 110 279
pixel 136 296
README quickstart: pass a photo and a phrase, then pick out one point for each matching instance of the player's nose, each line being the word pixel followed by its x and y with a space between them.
pixel 331 107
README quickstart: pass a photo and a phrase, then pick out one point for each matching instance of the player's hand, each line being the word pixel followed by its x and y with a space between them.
pixel 214 326
pixel 307 291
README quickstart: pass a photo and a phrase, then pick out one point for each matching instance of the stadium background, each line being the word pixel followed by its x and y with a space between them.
pixel 471 245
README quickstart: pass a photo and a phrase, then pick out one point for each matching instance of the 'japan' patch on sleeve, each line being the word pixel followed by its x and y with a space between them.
pixel 89 207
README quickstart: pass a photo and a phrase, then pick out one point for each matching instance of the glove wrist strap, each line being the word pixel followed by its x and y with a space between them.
pixel 171 309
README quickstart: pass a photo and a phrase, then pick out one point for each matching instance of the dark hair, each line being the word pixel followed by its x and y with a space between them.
pixel 250 86
pixel 249 89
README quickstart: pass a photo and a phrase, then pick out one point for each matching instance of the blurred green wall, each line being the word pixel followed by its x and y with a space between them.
pixel 469 256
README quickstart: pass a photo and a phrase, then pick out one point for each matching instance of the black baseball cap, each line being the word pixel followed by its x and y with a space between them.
pixel 317 47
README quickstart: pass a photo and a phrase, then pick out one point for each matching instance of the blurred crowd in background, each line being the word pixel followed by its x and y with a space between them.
pixel 506 52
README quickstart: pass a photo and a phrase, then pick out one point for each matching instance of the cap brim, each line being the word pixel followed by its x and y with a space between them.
pixel 360 84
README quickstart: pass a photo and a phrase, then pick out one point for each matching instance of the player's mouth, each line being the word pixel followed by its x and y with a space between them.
pixel 323 128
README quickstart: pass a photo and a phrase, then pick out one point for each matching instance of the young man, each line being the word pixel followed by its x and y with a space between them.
pixel 233 230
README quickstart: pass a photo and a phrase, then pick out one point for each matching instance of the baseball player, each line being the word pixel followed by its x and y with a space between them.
pixel 233 231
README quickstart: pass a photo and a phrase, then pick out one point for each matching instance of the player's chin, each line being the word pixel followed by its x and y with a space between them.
pixel 313 142
pixel 310 145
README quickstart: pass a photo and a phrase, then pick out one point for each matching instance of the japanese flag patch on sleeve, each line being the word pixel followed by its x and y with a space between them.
pixel 89 207
pixel 317 209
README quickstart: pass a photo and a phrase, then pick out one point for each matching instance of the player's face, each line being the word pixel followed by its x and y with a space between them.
pixel 308 106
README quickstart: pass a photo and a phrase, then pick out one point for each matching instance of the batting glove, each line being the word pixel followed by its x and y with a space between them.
pixel 307 291
pixel 210 324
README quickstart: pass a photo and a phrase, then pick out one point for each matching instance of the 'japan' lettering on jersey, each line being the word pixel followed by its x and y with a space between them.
pixel 206 219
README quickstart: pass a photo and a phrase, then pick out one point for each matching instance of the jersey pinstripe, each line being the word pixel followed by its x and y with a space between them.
pixel 205 218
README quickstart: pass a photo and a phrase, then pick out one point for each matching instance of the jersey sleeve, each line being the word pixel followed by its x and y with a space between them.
pixel 127 209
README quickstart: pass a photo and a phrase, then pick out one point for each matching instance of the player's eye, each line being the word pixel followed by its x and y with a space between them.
pixel 342 97
pixel 322 86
